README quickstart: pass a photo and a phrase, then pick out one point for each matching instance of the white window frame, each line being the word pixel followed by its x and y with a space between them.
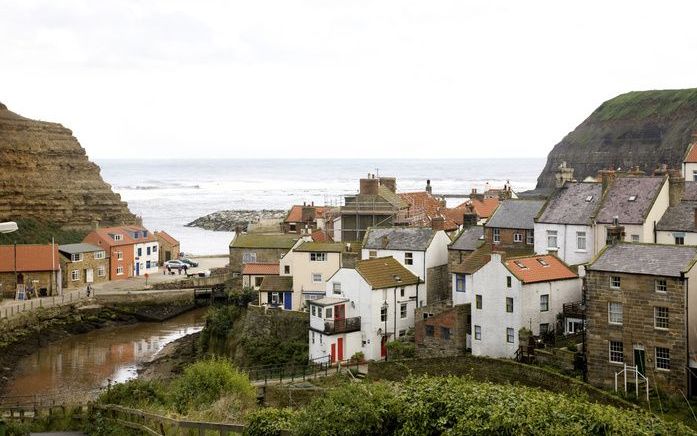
pixel 544 303
pixel 408 258
pixel 530 237
pixel 477 333
pixel 635 238
pixel 663 361
pixel 510 335
pixel 615 313
pixel 336 288
pixel 496 235
pixel 249 257
pixel 478 302
pixel 517 237
pixel 118 237
pixel 119 255
pixel 552 236
pixel 618 351
pixel 119 270
pixel 661 285
pixel 99 255
pixel 460 283
pixel 372 254
pixel 661 322
pixel 75 275
pixel 316 277
pixel 101 272
pixel 77 257
pixel 329 313
pixel 615 282
pixel 383 314
pixel 318 257
pixel 403 311
pixel 581 241
pixel 509 300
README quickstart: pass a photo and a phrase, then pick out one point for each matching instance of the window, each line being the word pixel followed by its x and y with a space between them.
pixel 632 198
pixel 249 257
pixel 257 281
pixel 509 304
pixel 445 333
pixel 459 283
pixel 408 258
pixel 531 237
pixel 320 338
pixel 117 237
pixel 372 254
pixel 616 352
pixel 635 238
pixel 580 240
pixel 99 255
pixel 542 262
pixel 274 298
pixel 328 313
pixel 662 358
pixel 429 330
pixel 661 285
pixel 510 335
pixel 509 281
pixel 318 257
pixel 478 301
pixel 75 275
pixel 614 313
pixel 694 175
pixel 76 257
pixel 101 272
pixel 496 235
pixel 679 240
pixel 147 251
pixel 119 270
pixel 140 252
pixel 136 235
pixel 147 264
pixel 615 282
pixel 154 248
pixel 477 333
pixel 402 292
pixel 589 199
pixel 403 310
pixel 660 316
pixel 544 303
pixel 551 239
pixel 319 311
pixel 313 337
pixel 517 237
pixel 336 288
pixel 402 333
pixel 544 328
pixel 286 269
pixel 313 309
pixel 383 314
pixel 316 277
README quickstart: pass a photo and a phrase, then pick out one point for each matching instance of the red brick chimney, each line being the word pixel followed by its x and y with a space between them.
pixel 438 223
pixel 369 186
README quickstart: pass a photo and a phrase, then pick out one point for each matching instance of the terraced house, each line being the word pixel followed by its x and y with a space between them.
pixel 82 264
pixel 258 248
pixel 512 226
pixel 132 250
pixel 640 312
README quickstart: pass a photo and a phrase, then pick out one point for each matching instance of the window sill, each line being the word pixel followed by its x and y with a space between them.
pixel 615 323
pixel 616 363
pixel 552 248
pixel 662 369
pixel 662 329
pixel 580 251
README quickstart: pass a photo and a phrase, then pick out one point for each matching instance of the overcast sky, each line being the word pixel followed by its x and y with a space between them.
pixel 334 79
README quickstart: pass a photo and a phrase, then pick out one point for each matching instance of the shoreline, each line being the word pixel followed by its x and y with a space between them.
pixel 172 359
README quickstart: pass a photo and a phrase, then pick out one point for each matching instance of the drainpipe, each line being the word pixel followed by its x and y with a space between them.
pixel 394 323
pixel 687 329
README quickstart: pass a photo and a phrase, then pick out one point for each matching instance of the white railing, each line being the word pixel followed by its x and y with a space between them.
pixel 637 376
pixel 11 310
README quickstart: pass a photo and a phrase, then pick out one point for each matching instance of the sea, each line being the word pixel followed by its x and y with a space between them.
pixel 170 193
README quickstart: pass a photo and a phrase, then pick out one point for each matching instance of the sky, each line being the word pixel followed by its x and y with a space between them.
pixel 344 79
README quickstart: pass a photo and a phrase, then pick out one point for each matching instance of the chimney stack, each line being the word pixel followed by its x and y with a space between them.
pixel 615 232
pixel 607 177
pixel 564 174
pixel 438 223
pixel 676 187
pixel 428 187
pixel 385 242
pixel 469 219
pixel 660 170
pixel 369 186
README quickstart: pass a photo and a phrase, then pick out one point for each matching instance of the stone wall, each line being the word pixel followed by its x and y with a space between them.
pixel 88 262
pixel 437 280
pixel 46 279
pixel 507 239
pixel 440 315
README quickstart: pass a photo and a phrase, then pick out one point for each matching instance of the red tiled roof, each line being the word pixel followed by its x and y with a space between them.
pixel 295 215
pixel 103 234
pixel 544 268
pixel 321 236
pixel 167 237
pixel 421 202
pixel 260 269
pixel 30 258
pixel 691 156
pixel 483 208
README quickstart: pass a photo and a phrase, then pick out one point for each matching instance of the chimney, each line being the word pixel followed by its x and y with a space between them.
pixel 635 171
pixel 564 174
pixel 607 177
pixel 660 170
pixel 476 196
pixel 615 232
pixel 385 242
pixel 308 214
pixel 428 187
pixel 676 187
pixel 389 182
pixel 469 219
pixel 438 223
pixel 369 186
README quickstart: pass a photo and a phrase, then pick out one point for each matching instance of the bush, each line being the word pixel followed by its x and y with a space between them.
pixel 400 350
pixel 572 347
pixel 206 381
pixel 269 422
pixel 135 393
pixel 358 357
pixel 219 322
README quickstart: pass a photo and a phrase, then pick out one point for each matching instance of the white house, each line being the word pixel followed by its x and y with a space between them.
pixel 363 309
pixel 145 252
pixel 565 225
pixel 422 250
pixel 505 296
pixel 689 164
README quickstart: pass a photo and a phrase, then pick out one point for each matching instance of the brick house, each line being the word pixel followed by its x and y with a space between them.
pixel 636 305
pixel 132 250
pixel 303 219
pixel 258 248
pixel 441 329
pixel 82 264
pixel 37 268
pixel 512 225
pixel 169 247
pixel 464 244
pixel 254 273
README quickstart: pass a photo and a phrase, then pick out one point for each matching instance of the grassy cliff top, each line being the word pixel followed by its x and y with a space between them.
pixel 647 104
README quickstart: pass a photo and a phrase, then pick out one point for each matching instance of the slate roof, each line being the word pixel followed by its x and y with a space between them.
pixel 260 269
pixel 690 193
pixel 253 240
pixel 469 239
pixel 276 284
pixel 29 258
pixel 535 269
pixel 382 272
pixel 574 203
pixel 651 259
pixel 329 301
pixel 398 238
pixel 167 237
pixel 327 247
pixel 680 217
pixel 79 248
pixel 616 201
pixel 515 214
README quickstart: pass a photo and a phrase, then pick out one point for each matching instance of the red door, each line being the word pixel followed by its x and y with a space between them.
pixel 333 353
pixel 383 347
pixel 339 311
pixel 340 346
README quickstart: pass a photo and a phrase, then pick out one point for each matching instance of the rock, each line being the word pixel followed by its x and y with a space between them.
pixel 228 220
pixel 644 128
pixel 46 175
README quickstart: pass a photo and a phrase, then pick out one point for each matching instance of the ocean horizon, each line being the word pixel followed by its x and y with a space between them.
pixel 169 193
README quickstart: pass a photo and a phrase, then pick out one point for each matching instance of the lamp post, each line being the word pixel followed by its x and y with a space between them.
pixel 9 227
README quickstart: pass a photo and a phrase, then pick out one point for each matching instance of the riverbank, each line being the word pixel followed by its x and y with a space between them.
pixel 172 359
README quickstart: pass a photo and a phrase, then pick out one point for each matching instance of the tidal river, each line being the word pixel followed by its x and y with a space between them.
pixel 79 367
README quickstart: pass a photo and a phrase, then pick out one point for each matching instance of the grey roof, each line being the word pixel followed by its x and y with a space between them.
pixel 398 238
pixel 328 301
pixel 515 214
pixel 617 199
pixel 680 217
pixel 574 203
pixel 690 193
pixel 79 248
pixel 469 239
pixel 652 259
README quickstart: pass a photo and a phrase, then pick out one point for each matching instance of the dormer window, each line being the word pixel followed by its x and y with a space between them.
pixel 589 199
pixel 543 262
pixel 632 198
pixel 520 264
pixel 136 235
pixel 117 237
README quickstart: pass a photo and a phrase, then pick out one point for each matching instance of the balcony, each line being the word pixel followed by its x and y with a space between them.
pixel 344 325
pixel 573 310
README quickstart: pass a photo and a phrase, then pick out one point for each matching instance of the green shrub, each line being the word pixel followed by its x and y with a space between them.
pixel 400 350
pixel 572 347
pixel 135 393
pixel 269 422
pixel 357 357
pixel 206 381
pixel 219 323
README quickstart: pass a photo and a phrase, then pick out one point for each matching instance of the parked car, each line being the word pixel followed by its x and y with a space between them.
pixel 188 261
pixel 175 265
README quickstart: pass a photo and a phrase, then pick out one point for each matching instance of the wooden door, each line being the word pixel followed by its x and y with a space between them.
pixel 340 346
pixel 333 353
pixel 383 347
pixel 339 311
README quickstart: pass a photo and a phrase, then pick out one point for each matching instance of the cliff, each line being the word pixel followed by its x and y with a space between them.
pixel 644 128
pixel 46 176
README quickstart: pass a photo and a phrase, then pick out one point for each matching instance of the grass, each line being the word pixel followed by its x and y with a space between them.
pixel 646 104
pixel 32 231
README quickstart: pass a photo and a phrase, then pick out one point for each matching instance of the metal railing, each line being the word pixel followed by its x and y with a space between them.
pixel 290 373
pixel 343 325
pixel 638 376
pixel 11 310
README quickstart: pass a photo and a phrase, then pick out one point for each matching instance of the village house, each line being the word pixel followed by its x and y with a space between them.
pixel 29 269
pixel 478 204
pixel 638 315
pixel 168 247
pixel 426 210
pixel 441 329
pixel 677 225
pixel 277 292
pixel 465 243
pixel 254 273
pixel 422 250
pixel 512 225
pixel 689 165
pixel 304 219
pixel 132 250
pixel 364 308
pixel 310 264
pixel 258 248
pixel 505 296
pixel 565 226
pixel 83 264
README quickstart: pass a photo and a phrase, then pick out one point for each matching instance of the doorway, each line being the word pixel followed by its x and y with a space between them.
pixel 640 359
pixel 89 275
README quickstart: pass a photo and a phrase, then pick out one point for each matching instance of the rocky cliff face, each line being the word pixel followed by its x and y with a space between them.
pixel 644 128
pixel 45 175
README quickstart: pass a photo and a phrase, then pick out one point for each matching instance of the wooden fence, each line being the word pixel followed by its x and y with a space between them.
pixel 11 310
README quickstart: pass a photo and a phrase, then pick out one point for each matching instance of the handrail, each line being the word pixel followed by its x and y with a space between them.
pixel 11 310
pixel 633 369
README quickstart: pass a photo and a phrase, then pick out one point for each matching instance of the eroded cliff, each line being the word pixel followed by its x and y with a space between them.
pixel 45 175
pixel 643 128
